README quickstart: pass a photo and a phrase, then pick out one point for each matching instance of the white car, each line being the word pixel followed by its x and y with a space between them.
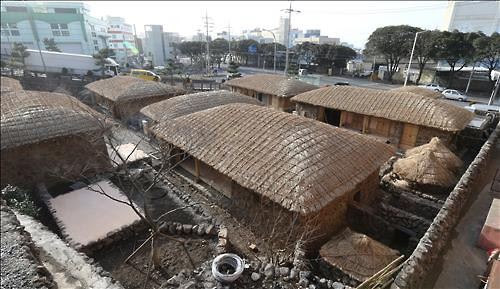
pixel 454 94
pixel 433 86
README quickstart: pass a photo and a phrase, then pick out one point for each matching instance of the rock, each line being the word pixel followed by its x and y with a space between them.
pixel 173 281
pixel 337 285
pixel 304 274
pixel 294 273
pixel 186 228
pixel 200 230
pixel 269 270
pixel 284 271
pixel 311 286
pixel 223 233
pixel 188 285
pixel 303 282
pixel 253 247
pixel 209 285
pixel 255 276
pixel 171 229
pixel 210 230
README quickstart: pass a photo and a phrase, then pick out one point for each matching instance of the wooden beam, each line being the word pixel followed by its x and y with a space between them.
pixel 366 121
pixel 197 169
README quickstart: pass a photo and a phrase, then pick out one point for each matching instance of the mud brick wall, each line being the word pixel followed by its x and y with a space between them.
pixel 54 160
pixel 425 134
pixel 417 266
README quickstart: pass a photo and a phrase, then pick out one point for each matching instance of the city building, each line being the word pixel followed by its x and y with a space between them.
pixel 316 40
pixel 312 33
pixel 258 35
pixel 468 16
pixel 155 46
pixel 283 30
pixel 121 39
pixel 68 23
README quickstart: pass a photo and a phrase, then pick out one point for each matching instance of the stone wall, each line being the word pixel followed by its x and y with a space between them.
pixel 65 85
pixel 417 266
pixel 21 266
pixel 54 160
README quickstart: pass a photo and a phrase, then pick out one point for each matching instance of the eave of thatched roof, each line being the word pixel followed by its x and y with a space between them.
pixel 299 163
pixel 397 106
pixel 9 84
pixel 128 88
pixel 272 84
pixel 357 255
pixel 419 91
pixel 189 103
pixel 34 116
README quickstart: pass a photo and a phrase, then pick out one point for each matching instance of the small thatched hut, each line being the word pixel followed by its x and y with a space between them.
pixel 277 170
pixel 429 166
pixel 124 96
pixel 272 90
pixel 9 84
pixel 419 91
pixel 356 255
pixel 403 119
pixel 185 104
pixel 48 137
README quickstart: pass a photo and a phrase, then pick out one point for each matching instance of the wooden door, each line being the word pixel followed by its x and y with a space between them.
pixel 409 136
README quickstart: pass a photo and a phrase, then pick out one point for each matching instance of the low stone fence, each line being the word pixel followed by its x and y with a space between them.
pixel 431 244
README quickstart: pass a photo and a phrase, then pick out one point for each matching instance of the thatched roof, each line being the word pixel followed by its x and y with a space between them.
pixel 419 91
pixel 357 255
pixel 33 116
pixel 9 84
pixel 189 103
pixel 397 106
pixel 299 163
pixel 272 84
pixel 424 168
pixel 440 151
pixel 127 88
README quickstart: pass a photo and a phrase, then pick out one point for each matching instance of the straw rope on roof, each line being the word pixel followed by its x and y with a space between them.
pixel 418 90
pixel 357 255
pixel 425 168
pixel 33 116
pixel 189 103
pixel 272 84
pixel 296 162
pixel 397 106
pixel 441 152
pixel 126 88
pixel 8 84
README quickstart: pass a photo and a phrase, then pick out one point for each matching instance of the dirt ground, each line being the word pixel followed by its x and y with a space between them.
pixel 173 257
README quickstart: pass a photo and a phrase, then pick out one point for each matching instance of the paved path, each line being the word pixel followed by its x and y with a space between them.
pixel 464 261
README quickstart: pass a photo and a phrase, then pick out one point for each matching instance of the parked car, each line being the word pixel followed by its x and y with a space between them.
pixel 433 86
pixel 454 94
pixel 145 74
pixel 341 83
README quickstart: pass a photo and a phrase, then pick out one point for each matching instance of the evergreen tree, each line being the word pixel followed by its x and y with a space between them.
pixel 50 45
pixel 19 54
pixel 100 58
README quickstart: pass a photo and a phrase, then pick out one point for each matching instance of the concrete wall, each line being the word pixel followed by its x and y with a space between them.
pixel 54 160
pixel 421 261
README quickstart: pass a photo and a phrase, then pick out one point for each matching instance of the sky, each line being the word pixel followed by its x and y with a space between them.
pixel 351 21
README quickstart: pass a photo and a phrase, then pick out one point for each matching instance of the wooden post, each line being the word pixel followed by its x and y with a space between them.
pixel 342 118
pixel 197 169
pixel 366 121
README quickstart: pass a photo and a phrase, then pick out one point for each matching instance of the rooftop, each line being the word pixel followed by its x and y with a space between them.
pixel 9 84
pixel 127 88
pixel 33 116
pixel 272 84
pixel 394 105
pixel 296 162
pixel 418 90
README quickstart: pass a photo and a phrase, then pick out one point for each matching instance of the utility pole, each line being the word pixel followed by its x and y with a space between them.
pixel 274 57
pixel 411 56
pixel 207 26
pixel 470 78
pixel 289 11
pixel 229 40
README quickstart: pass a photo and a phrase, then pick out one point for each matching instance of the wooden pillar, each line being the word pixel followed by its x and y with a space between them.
pixel 366 121
pixel 342 118
pixel 196 169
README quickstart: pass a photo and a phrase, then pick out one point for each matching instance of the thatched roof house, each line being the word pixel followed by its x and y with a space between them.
pixel 400 118
pixel 302 166
pixel 9 84
pixel 357 255
pixel 189 103
pixel 419 91
pixel 272 90
pixel 432 164
pixel 41 129
pixel 126 95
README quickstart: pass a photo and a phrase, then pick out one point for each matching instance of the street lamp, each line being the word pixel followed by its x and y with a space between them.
pixel 411 56
pixel 289 10
pixel 274 60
